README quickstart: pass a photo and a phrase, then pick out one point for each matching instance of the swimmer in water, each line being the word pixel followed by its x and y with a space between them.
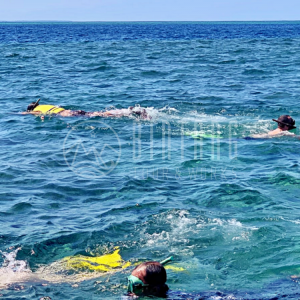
pixel 35 108
pixel 285 123
pixel 148 279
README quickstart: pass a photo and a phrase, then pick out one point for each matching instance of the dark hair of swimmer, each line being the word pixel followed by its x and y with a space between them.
pixel 33 105
pixel 285 120
pixel 153 277
pixel 140 112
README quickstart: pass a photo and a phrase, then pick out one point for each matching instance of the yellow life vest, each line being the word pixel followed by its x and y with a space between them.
pixel 48 109
pixel 104 263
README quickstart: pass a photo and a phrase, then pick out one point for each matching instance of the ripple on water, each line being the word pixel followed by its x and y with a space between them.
pixel 235 228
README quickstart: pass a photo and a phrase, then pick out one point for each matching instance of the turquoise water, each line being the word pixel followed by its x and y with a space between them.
pixel 227 209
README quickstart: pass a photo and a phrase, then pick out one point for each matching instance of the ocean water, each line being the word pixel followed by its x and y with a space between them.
pixel 226 208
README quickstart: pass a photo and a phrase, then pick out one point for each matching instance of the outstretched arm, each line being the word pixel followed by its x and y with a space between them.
pixel 31 113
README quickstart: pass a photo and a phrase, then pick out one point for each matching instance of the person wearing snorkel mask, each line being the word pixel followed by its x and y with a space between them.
pixel 35 108
pixel 285 123
pixel 148 279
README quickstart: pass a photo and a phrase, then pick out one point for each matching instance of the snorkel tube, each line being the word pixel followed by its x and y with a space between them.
pixel 167 260
pixel 33 105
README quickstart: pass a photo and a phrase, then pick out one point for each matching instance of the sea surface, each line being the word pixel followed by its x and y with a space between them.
pixel 185 183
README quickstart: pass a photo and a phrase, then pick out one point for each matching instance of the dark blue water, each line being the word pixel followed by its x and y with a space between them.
pixel 226 208
pixel 95 32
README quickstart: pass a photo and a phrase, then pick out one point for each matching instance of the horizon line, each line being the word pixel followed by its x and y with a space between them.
pixel 70 21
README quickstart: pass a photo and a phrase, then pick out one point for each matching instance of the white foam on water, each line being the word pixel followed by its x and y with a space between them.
pixel 11 263
pixel 13 270
pixel 215 124
pixel 295 222
pixel 181 228
pixel 194 118
pixel 169 114
pixel 232 229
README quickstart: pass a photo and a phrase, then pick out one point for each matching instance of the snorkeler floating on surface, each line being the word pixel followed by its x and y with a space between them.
pixel 148 279
pixel 35 108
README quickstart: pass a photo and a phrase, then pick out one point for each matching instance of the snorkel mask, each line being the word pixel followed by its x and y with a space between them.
pixel 33 105
pixel 135 284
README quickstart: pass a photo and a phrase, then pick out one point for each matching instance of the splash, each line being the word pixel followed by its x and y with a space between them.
pixel 13 270
pixel 11 263
pixel 181 228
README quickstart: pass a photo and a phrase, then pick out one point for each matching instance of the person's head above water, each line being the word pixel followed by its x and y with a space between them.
pixel 33 105
pixel 148 279
pixel 285 122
